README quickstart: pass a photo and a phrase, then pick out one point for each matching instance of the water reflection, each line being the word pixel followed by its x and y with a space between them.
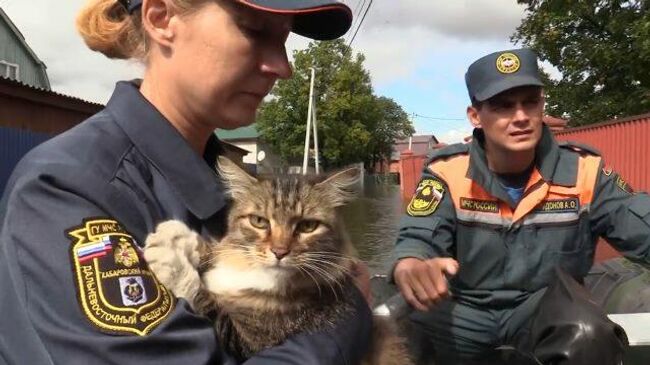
pixel 372 222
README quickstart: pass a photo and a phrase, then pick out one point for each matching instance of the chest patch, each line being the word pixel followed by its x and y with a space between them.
pixel 484 206
pixel 116 290
pixel 426 199
pixel 559 206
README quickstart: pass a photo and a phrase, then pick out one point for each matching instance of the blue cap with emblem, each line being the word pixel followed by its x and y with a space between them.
pixel 501 71
pixel 316 19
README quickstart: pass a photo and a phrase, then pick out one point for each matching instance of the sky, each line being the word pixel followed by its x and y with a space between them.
pixel 417 52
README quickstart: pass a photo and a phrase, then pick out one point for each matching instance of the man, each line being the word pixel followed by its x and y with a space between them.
pixel 495 217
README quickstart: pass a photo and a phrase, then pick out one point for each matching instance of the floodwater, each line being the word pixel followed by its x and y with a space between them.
pixel 372 221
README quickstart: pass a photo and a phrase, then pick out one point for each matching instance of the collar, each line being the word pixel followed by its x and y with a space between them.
pixel 554 165
pixel 190 175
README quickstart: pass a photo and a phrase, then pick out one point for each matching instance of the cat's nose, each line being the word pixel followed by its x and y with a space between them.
pixel 279 252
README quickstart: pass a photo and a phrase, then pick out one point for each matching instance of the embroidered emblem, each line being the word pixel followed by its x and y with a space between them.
pixel 426 199
pixel 508 63
pixel 132 289
pixel 485 206
pixel 623 185
pixel 116 290
pixel 559 206
pixel 125 255
pixel 607 171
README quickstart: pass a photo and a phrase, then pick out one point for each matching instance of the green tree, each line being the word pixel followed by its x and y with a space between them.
pixel 354 125
pixel 602 49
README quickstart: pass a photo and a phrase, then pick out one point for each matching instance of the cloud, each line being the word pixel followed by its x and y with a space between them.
pixel 461 19
pixel 455 135
pixel 402 40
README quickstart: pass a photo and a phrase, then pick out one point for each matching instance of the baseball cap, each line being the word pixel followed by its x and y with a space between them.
pixel 316 19
pixel 501 71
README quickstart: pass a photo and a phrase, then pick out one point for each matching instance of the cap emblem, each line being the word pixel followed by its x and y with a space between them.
pixel 508 63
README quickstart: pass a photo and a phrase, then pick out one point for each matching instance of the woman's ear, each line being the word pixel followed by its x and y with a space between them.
pixel 159 19
pixel 472 115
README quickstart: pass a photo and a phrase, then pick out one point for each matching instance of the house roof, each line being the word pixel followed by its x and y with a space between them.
pixel 22 41
pixel 20 89
pixel 248 132
pixel 424 138
pixel 419 145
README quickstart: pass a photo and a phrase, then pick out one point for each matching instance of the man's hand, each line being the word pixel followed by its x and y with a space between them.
pixel 423 282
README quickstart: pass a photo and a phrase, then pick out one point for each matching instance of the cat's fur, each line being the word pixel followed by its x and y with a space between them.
pixel 282 267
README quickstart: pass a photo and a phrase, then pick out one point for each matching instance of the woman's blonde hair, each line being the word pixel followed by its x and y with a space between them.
pixel 107 27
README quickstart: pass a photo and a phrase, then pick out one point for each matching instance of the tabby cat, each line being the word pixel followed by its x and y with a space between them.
pixel 282 267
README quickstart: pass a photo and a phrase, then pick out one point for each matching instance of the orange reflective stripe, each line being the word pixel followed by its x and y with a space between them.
pixel 533 198
pixel 588 169
pixel 453 172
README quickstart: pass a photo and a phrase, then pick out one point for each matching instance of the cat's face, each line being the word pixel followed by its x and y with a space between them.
pixel 285 226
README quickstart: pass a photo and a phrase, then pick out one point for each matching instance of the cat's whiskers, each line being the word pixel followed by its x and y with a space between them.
pixel 334 265
pixel 327 277
pixel 320 292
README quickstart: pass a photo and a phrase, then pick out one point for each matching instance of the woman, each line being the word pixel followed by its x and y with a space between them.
pixel 75 288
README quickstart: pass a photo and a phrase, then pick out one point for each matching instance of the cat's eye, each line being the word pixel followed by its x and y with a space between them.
pixel 258 222
pixel 307 226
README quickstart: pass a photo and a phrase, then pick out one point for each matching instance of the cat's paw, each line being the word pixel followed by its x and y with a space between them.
pixel 172 252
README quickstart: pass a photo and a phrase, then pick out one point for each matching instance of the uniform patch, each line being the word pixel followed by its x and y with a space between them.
pixel 607 171
pixel 559 206
pixel 623 185
pixel 116 290
pixel 484 206
pixel 508 63
pixel 426 199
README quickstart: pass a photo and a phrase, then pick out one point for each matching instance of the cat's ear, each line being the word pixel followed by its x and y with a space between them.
pixel 341 186
pixel 236 179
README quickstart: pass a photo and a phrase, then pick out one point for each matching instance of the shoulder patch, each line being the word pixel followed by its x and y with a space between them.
pixel 426 199
pixel 617 179
pixel 454 149
pixel 116 290
pixel 579 147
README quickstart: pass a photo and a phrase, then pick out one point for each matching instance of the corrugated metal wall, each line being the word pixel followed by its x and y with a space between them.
pixel 625 146
pixel 14 143
pixel 12 51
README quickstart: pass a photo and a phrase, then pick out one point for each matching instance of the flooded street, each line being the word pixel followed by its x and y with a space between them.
pixel 372 222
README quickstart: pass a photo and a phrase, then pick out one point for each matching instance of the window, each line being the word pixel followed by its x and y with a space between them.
pixel 10 70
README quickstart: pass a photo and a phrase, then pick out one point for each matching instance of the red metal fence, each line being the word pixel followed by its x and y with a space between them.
pixel 624 145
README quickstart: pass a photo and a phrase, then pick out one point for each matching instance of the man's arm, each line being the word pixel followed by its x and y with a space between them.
pixel 424 247
pixel 621 216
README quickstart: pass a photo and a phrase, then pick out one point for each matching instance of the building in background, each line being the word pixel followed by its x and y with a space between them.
pixel 30 112
pixel 17 60
pixel 259 157
pixel 419 145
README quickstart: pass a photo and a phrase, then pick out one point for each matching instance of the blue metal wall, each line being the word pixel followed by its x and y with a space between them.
pixel 14 143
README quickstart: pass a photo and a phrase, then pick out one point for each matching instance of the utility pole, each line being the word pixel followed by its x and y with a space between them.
pixel 310 116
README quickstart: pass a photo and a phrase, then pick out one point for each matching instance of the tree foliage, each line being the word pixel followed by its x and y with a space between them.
pixel 602 49
pixel 354 125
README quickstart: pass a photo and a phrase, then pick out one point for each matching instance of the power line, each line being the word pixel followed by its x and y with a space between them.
pixel 360 23
pixel 415 115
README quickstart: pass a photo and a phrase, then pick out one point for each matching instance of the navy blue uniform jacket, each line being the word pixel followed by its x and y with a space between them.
pixel 74 288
